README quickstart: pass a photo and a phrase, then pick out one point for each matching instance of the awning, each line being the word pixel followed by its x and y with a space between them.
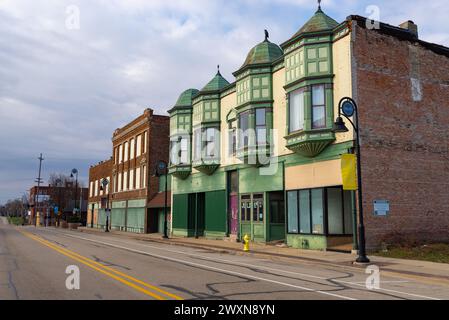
pixel 159 201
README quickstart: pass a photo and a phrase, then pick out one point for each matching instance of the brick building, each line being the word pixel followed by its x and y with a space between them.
pixel 98 195
pixel 137 149
pixel 283 105
pixel 402 86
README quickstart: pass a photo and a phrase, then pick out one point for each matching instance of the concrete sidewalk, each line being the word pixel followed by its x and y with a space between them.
pixel 417 270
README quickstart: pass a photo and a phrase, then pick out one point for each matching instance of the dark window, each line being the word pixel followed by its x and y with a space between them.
pixel 246 208
pixel 258 208
pixel 277 214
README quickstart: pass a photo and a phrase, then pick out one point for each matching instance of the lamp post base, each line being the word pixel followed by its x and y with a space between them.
pixel 362 260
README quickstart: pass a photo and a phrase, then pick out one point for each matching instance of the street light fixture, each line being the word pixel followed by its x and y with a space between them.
pixel 162 170
pixel 347 108
pixel 104 185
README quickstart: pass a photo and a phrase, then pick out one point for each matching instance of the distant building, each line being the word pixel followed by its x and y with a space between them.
pixel 52 200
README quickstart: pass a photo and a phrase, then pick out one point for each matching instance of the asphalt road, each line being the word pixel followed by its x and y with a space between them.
pixel 33 265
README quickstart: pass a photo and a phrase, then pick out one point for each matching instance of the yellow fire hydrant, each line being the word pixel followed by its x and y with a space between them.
pixel 38 220
pixel 246 240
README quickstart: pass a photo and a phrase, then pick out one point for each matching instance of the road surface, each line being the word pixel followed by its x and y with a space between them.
pixel 34 261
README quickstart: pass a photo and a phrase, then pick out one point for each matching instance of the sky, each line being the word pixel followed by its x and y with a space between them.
pixel 66 86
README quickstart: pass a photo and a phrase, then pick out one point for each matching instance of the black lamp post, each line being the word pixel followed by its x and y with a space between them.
pixel 162 170
pixel 103 187
pixel 347 108
pixel 75 173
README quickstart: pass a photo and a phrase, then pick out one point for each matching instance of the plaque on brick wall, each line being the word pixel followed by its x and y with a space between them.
pixel 381 208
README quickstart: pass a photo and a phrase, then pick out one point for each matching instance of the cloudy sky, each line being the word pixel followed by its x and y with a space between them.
pixel 64 90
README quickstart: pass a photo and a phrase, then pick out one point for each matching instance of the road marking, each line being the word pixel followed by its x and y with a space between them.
pixel 102 269
pixel 249 265
pixel 124 275
pixel 215 269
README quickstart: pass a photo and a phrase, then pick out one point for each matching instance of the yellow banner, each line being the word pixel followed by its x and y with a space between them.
pixel 349 171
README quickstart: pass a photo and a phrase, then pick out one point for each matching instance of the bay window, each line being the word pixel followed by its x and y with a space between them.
pixel 261 126
pixel 232 141
pixel 197 141
pixel 296 110
pixel 179 151
pixel 184 151
pixel 318 107
pixel 244 130
pixel 210 143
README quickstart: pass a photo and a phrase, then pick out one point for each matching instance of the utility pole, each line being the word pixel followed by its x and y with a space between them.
pixel 39 181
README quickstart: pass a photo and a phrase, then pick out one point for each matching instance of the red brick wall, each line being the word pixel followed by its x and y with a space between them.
pixel 404 142
pixel 99 172
pixel 159 148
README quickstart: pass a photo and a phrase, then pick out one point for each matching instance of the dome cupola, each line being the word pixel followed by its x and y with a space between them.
pixel 263 53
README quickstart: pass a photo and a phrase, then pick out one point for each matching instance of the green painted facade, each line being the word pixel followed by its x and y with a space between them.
pixel 203 193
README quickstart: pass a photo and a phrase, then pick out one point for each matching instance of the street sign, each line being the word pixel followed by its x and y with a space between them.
pixel 381 208
pixel 348 108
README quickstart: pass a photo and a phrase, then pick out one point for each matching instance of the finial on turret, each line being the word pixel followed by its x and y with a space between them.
pixel 319 5
pixel 267 35
pixel 218 70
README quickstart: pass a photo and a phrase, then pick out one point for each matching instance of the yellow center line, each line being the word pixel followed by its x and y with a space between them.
pixel 101 268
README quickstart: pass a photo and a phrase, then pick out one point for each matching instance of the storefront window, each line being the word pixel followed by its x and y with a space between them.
pixel 317 211
pixel 308 208
pixel 348 197
pixel 292 204
pixel 304 211
pixel 335 210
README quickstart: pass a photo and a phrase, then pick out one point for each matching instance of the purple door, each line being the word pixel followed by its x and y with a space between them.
pixel 234 214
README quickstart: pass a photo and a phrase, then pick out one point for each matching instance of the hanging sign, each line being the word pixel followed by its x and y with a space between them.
pixel 349 172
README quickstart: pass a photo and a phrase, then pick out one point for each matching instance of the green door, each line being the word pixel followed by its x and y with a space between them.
pixel 252 216
pixel 258 217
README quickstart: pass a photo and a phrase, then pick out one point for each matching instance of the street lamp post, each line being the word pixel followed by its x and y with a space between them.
pixel 162 170
pixel 104 185
pixel 347 108
pixel 75 173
